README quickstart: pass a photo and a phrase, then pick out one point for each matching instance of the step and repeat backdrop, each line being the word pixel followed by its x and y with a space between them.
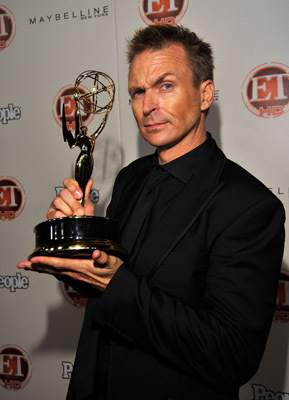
pixel 44 46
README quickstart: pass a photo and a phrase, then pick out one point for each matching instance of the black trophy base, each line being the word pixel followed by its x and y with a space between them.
pixel 77 237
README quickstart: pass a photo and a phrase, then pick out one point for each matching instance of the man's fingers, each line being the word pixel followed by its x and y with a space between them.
pixel 71 195
pixel 97 271
pixel 24 264
pixel 66 201
pixel 73 187
pixel 57 263
pixel 88 189
pixel 52 213
pixel 99 257
pixel 59 208
pixel 80 270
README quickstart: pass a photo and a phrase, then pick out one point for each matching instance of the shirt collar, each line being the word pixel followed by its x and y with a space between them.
pixel 183 167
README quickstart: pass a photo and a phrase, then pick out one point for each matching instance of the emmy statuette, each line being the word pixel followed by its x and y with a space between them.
pixel 79 236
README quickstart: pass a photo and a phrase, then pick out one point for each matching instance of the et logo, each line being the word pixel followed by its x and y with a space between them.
pixel 7 27
pixel 66 96
pixel 282 306
pixel 157 12
pixel 15 367
pixel 72 296
pixel 265 90
pixel 12 198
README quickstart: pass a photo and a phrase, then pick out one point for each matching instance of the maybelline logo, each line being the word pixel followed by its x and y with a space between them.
pixel 84 14
pixel 262 393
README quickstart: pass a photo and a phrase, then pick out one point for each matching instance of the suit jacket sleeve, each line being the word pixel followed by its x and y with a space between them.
pixel 222 340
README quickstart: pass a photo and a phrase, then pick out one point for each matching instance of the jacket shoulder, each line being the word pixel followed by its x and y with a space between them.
pixel 243 187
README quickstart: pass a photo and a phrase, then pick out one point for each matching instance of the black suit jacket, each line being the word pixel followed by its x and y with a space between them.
pixel 190 318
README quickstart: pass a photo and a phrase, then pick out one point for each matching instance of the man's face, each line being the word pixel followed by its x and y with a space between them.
pixel 165 103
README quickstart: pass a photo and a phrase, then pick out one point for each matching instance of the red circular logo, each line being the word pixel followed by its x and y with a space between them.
pixel 12 198
pixel 7 27
pixel 282 305
pixel 72 296
pixel 66 96
pixel 265 90
pixel 155 12
pixel 15 367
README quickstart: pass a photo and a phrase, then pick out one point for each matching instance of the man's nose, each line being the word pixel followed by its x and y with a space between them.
pixel 149 102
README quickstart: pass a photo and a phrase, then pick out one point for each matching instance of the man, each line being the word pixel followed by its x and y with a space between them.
pixel 187 315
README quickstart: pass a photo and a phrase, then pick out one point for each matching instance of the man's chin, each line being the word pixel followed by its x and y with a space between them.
pixel 156 138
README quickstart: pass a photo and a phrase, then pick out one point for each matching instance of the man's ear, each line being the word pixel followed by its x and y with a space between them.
pixel 207 89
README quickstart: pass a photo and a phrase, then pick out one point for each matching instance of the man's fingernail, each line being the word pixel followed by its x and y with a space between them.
pixel 23 265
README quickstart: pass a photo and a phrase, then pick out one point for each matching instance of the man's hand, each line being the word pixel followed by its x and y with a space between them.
pixel 67 203
pixel 97 272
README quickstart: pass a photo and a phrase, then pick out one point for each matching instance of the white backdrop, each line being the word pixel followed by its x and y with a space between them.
pixel 43 47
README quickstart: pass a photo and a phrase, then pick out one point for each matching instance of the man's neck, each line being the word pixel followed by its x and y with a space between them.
pixel 166 155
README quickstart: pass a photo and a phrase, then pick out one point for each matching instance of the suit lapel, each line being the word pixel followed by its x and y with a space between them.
pixel 133 186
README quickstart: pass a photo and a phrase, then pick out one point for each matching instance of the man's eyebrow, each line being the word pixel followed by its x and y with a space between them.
pixel 161 78
pixel 157 81
pixel 134 89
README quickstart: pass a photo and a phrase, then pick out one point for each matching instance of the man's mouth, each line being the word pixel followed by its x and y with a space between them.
pixel 152 126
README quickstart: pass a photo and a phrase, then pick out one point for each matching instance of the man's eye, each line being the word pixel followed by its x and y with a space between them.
pixel 137 93
pixel 166 86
